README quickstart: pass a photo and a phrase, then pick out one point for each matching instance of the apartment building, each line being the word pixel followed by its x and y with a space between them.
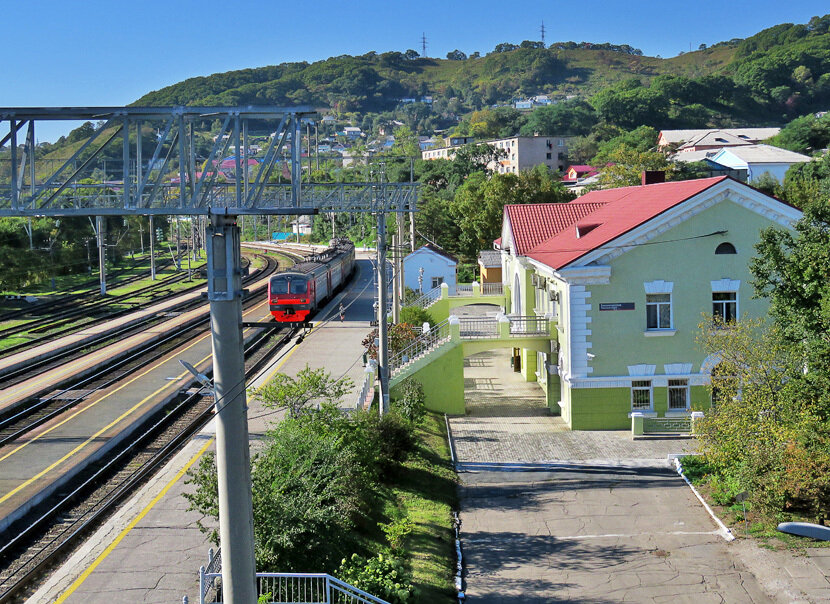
pixel 520 153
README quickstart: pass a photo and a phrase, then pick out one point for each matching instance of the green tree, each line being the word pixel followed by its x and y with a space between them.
pixel 478 205
pixel 791 269
pixel 763 435
pixel 574 117
pixel 626 166
pixel 297 393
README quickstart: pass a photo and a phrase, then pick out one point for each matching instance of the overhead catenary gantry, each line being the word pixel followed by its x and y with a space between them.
pixel 116 171
pixel 110 172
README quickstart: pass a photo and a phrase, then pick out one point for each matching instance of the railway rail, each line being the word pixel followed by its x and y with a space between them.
pixel 91 292
pixel 66 396
pixel 96 311
pixel 50 536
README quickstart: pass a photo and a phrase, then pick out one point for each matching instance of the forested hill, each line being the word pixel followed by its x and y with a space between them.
pixel 776 74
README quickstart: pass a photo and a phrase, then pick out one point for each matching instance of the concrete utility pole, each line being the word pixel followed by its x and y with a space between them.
pixel 152 250
pixel 399 219
pixel 383 336
pixel 396 292
pixel 233 464
pixel 102 254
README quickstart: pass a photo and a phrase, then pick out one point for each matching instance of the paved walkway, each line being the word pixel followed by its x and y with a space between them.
pixel 508 423
pixel 594 516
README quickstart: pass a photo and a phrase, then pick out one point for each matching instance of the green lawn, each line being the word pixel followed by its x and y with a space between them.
pixel 425 491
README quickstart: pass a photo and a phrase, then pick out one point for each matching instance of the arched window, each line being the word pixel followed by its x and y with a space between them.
pixel 725 248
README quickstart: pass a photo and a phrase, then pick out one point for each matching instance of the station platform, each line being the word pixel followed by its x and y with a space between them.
pixel 151 550
pixel 44 460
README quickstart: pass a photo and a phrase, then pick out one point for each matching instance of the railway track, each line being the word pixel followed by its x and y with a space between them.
pixel 49 537
pixel 96 311
pixel 92 293
pixel 62 398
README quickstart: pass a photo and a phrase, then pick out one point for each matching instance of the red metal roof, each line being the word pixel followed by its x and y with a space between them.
pixel 541 230
pixel 533 223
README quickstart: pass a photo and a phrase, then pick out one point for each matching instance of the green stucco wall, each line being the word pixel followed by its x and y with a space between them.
pixel 600 409
pixel 443 382
pixel 619 338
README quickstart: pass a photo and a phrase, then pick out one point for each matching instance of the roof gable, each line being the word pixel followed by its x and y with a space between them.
pixel 433 249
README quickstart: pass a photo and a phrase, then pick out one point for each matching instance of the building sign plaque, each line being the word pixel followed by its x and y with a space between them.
pixel 616 306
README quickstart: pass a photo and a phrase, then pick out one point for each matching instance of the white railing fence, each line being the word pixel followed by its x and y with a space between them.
pixel 428 298
pixel 528 325
pixel 479 327
pixel 285 588
pixel 421 345
pixel 492 289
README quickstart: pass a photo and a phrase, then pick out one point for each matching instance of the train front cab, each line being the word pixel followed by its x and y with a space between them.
pixel 291 297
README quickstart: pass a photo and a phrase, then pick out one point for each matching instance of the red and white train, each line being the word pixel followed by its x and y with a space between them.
pixel 297 293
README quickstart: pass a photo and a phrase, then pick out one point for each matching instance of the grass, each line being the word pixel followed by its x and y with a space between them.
pixel 756 524
pixel 420 495
pixel 426 492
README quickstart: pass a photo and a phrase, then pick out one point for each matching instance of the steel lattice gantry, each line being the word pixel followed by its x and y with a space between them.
pixel 146 160
pixel 109 173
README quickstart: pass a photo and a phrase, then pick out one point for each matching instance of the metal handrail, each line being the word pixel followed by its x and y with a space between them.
pixel 528 325
pixel 428 298
pixel 421 345
pixel 479 327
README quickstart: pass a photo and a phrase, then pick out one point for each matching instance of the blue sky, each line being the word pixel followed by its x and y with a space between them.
pixel 69 53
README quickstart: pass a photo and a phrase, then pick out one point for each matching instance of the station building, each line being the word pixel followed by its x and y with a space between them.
pixel 628 275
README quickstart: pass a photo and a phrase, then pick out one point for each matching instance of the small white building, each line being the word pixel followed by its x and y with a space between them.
pixel 438 267
pixel 759 159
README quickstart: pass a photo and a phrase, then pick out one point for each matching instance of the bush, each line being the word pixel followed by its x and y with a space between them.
pixel 382 576
pixel 415 315
pixel 695 467
pixel 410 403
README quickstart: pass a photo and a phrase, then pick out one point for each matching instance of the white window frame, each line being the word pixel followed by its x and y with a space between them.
pixel 642 386
pixel 658 306
pixel 656 288
pixel 723 304
pixel 440 280
pixel 679 385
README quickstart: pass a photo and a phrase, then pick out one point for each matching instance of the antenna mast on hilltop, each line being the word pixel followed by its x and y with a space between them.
pixel 542 29
pixel 424 44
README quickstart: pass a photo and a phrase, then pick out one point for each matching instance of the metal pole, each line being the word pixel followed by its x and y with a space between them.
pixel 152 250
pixel 236 524
pixel 102 260
pixel 383 336
pixel 296 165
pixel 396 292
pixel 399 218
pixel 178 245
pixel 411 214
pixel 13 149
pixel 308 146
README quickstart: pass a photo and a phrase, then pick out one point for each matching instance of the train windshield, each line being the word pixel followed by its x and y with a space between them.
pixel 299 286
pixel 279 285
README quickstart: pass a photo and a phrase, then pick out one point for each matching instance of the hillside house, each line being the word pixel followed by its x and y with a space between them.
pixel 759 159
pixel 428 267
pixel 696 140
pixel 628 274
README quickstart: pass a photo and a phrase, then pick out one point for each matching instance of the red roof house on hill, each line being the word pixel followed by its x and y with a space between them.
pixel 578 172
